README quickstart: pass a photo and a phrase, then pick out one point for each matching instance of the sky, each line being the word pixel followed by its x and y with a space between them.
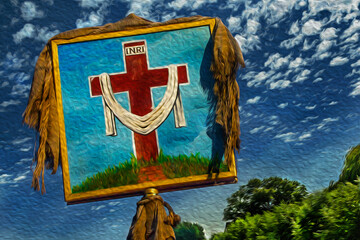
pixel 299 105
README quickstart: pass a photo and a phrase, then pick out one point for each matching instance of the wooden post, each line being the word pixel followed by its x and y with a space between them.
pixel 151 221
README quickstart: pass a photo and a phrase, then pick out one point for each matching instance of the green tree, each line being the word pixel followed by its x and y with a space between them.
pixel 218 236
pixel 341 214
pixel 323 215
pixel 189 231
pixel 258 196
pixel 351 169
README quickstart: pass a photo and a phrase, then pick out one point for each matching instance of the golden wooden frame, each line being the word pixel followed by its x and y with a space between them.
pixel 136 189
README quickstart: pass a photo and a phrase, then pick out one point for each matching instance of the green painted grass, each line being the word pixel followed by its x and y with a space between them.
pixel 184 166
pixel 124 174
pixel 173 167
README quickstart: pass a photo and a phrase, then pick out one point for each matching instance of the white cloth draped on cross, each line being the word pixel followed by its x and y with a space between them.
pixel 149 122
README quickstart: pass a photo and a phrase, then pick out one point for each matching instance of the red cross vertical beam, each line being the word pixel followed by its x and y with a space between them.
pixel 137 80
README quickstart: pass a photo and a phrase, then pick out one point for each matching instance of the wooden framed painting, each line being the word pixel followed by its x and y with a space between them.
pixel 137 110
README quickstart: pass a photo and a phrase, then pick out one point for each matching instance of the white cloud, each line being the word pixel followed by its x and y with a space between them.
pixel 302 76
pixel 297 63
pixel 16 60
pixel 302 4
pixel 191 4
pixel 325 121
pixel 142 8
pixel 323 49
pixel 255 130
pixel 333 103
pixel 21 90
pixel 257 78
pixel 310 107
pixel 356 90
pixel 35 32
pixel 4 84
pixel 294 29
pixel 21 141
pixel 231 4
pixel 276 77
pixel 307 119
pixel 276 62
pixel 4 178
pixel 338 61
pixel 356 64
pixel 29 11
pixel 319 73
pixel 283 105
pixel 178 4
pixel 252 26
pixel 351 16
pixel 324 55
pixel 304 136
pixel 354 53
pixel 274 11
pixel 90 3
pixel 96 208
pixel 353 73
pixel 96 18
pixel 354 27
pixel 271 11
pixel 24 161
pixel 253 100
pixel 311 27
pixel 328 33
pixel 233 23
pixel 274 120
pixel 168 16
pixel 248 43
pixel 26 149
pixel 28 31
pixel 9 103
pixel 93 19
pixel 44 34
pixel 281 84
pixel 324 46
pixel 286 137
pixel 331 5
pixel 336 7
pixel 353 39
pixel 269 129
pixel 308 45
pixel 292 42
pixel 19 178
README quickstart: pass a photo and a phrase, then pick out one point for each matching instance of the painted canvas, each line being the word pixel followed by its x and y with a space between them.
pixel 138 110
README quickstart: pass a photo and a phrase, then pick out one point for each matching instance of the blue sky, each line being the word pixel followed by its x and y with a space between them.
pixel 299 105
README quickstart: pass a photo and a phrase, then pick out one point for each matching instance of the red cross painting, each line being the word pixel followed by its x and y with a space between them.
pixel 137 110
pixel 137 80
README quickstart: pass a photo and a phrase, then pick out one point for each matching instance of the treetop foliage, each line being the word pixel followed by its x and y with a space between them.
pixel 258 196
pixel 351 169
pixel 189 231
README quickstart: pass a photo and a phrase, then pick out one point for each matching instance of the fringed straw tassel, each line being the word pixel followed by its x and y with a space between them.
pixel 43 130
pixel 227 58
pixel 151 221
